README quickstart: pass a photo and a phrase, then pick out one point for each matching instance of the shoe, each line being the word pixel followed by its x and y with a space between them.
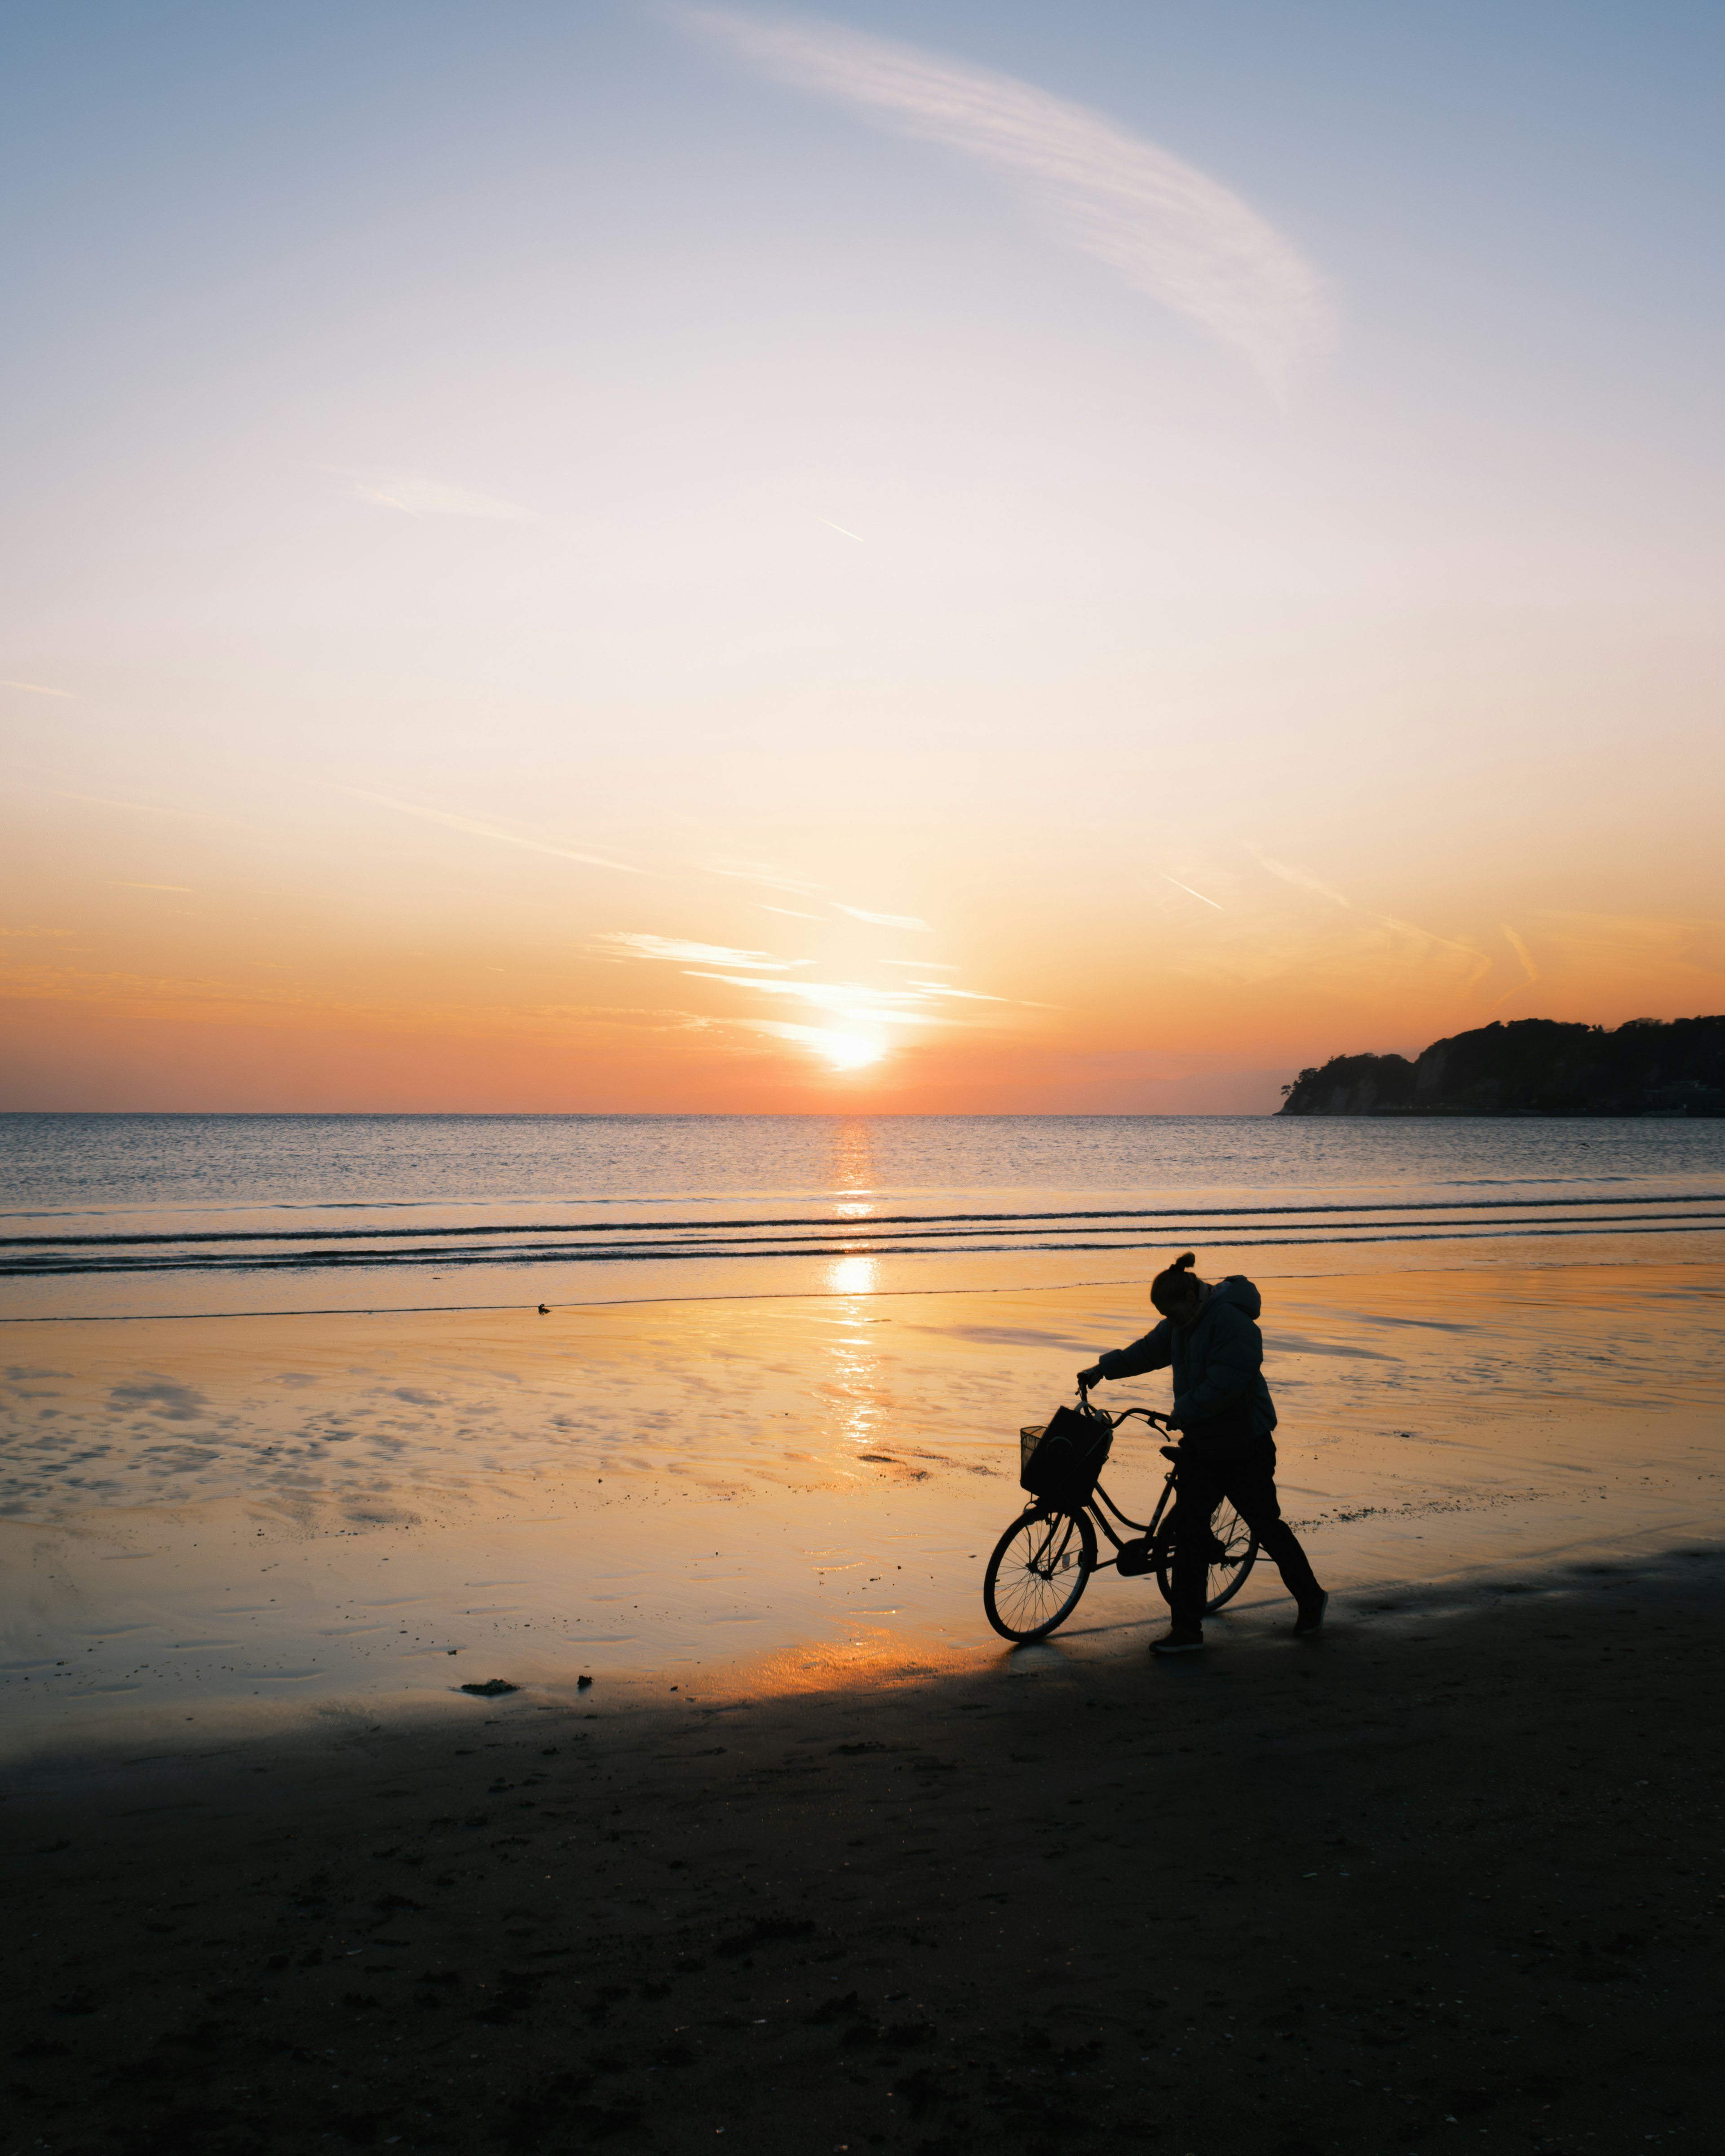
pixel 1177 1641
pixel 1311 1617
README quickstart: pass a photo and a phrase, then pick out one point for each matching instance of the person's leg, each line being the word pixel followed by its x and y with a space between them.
pixel 1201 1490
pixel 1251 1489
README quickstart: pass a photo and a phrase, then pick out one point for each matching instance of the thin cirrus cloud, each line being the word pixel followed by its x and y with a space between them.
pixel 1190 893
pixel 418 494
pixel 1298 877
pixel 768 873
pixel 1166 228
pixel 876 1006
pixel 36 689
pixel 1521 952
pixel 480 830
pixel 681 952
pixel 884 920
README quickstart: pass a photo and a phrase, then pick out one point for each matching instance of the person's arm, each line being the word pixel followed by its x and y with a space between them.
pixel 1154 1352
pixel 1231 1368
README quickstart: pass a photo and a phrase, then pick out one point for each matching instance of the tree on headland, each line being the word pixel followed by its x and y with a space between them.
pixel 1531 1066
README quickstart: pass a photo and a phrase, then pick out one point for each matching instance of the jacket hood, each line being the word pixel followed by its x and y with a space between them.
pixel 1238 1290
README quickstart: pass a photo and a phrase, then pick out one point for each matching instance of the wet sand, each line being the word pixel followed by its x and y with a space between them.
pixel 243 1523
pixel 811 1857
pixel 1446 1877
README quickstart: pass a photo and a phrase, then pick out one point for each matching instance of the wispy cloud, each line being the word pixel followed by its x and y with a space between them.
pixel 1297 877
pixel 682 952
pixel 1166 228
pixel 885 919
pixel 418 494
pixel 840 530
pixel 1425 934
pixel 616 1014
pixel 845 1051
pixel 1522 952
pixel 36 689
pixel 768 873
pixel 874 1006
pixel 970 995
pixel 1190 893
pixel 790 912
pixel 143 807
pixel 118 883
pixel 481 830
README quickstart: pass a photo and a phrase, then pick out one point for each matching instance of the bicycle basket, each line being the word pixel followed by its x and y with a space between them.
pixel 1059 1460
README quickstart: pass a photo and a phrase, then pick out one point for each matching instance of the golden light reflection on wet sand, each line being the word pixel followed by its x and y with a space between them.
pixel 317 1509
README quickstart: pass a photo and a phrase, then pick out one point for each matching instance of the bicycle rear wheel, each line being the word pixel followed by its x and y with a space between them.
pixel 1234 1551
pixel 1039 1568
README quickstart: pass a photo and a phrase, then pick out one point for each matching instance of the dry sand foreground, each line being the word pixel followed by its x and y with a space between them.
pixel 1433 1882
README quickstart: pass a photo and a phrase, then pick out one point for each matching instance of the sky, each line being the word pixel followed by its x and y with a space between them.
pixel 948 557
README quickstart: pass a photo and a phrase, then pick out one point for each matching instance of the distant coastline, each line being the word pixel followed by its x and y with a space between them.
pixel 1531 1066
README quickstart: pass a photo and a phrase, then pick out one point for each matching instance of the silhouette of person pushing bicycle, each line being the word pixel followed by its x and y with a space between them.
pixel 1222 1408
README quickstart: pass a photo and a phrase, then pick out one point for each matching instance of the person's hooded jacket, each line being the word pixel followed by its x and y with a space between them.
pixel 1217 1366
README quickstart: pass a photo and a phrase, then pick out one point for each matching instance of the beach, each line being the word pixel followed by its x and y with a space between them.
pixel 250 1521
pixel 1445 1877
pixel 518 1729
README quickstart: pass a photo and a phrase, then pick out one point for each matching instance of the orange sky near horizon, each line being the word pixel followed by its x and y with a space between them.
pixel 329 950
pixel 643 566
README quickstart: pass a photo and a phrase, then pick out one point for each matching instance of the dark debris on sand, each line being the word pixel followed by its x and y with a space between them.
pixel 1415 1889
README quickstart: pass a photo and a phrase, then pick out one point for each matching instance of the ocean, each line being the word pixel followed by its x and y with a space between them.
pixel 162 1214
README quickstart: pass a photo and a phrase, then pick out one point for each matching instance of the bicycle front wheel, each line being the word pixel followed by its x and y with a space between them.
pixel 1232 1552
pixel 1039 1568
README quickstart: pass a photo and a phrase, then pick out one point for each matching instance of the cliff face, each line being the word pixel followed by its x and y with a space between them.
pixel 1532 1065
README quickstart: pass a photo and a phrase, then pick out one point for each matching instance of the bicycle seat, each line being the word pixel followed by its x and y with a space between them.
pixel 1169 1451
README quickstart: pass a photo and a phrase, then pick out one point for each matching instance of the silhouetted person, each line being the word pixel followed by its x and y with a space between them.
pixel 1223 1408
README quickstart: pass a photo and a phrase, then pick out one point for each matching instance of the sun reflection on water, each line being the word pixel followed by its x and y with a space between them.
pixel 852 1169
pixel 853 1276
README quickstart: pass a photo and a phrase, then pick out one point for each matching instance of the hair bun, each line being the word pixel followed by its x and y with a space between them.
pixel 1175 1284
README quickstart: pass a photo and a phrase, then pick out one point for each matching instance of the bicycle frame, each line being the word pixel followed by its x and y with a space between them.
pixel 1038 1548
pixel 1099 1497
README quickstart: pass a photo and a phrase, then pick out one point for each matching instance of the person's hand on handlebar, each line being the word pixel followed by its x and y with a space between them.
pixel 1093 1376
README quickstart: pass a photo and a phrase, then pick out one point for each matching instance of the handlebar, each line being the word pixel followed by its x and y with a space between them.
pixel 1156 1421
pixel 1150 1415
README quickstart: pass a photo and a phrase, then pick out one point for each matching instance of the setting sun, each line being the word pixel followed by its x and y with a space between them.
pixel 850 1052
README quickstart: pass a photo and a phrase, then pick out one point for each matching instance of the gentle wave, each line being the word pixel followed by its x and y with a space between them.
pixel 901 1234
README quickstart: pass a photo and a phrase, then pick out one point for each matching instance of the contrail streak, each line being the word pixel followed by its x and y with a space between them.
pixel 489 831
pixel 882 920
pixel 1522 952
pixel 1189 891
pixel 1164 227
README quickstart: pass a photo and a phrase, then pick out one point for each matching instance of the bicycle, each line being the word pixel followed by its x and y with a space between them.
pixel 1042 1564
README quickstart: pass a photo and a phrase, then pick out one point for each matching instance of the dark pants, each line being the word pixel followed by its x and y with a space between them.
pixel 1245 1475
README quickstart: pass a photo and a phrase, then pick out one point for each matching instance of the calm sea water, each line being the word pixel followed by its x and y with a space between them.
pixel 110 1215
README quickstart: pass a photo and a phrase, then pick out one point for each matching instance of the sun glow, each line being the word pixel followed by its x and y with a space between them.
pixel 850 1052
